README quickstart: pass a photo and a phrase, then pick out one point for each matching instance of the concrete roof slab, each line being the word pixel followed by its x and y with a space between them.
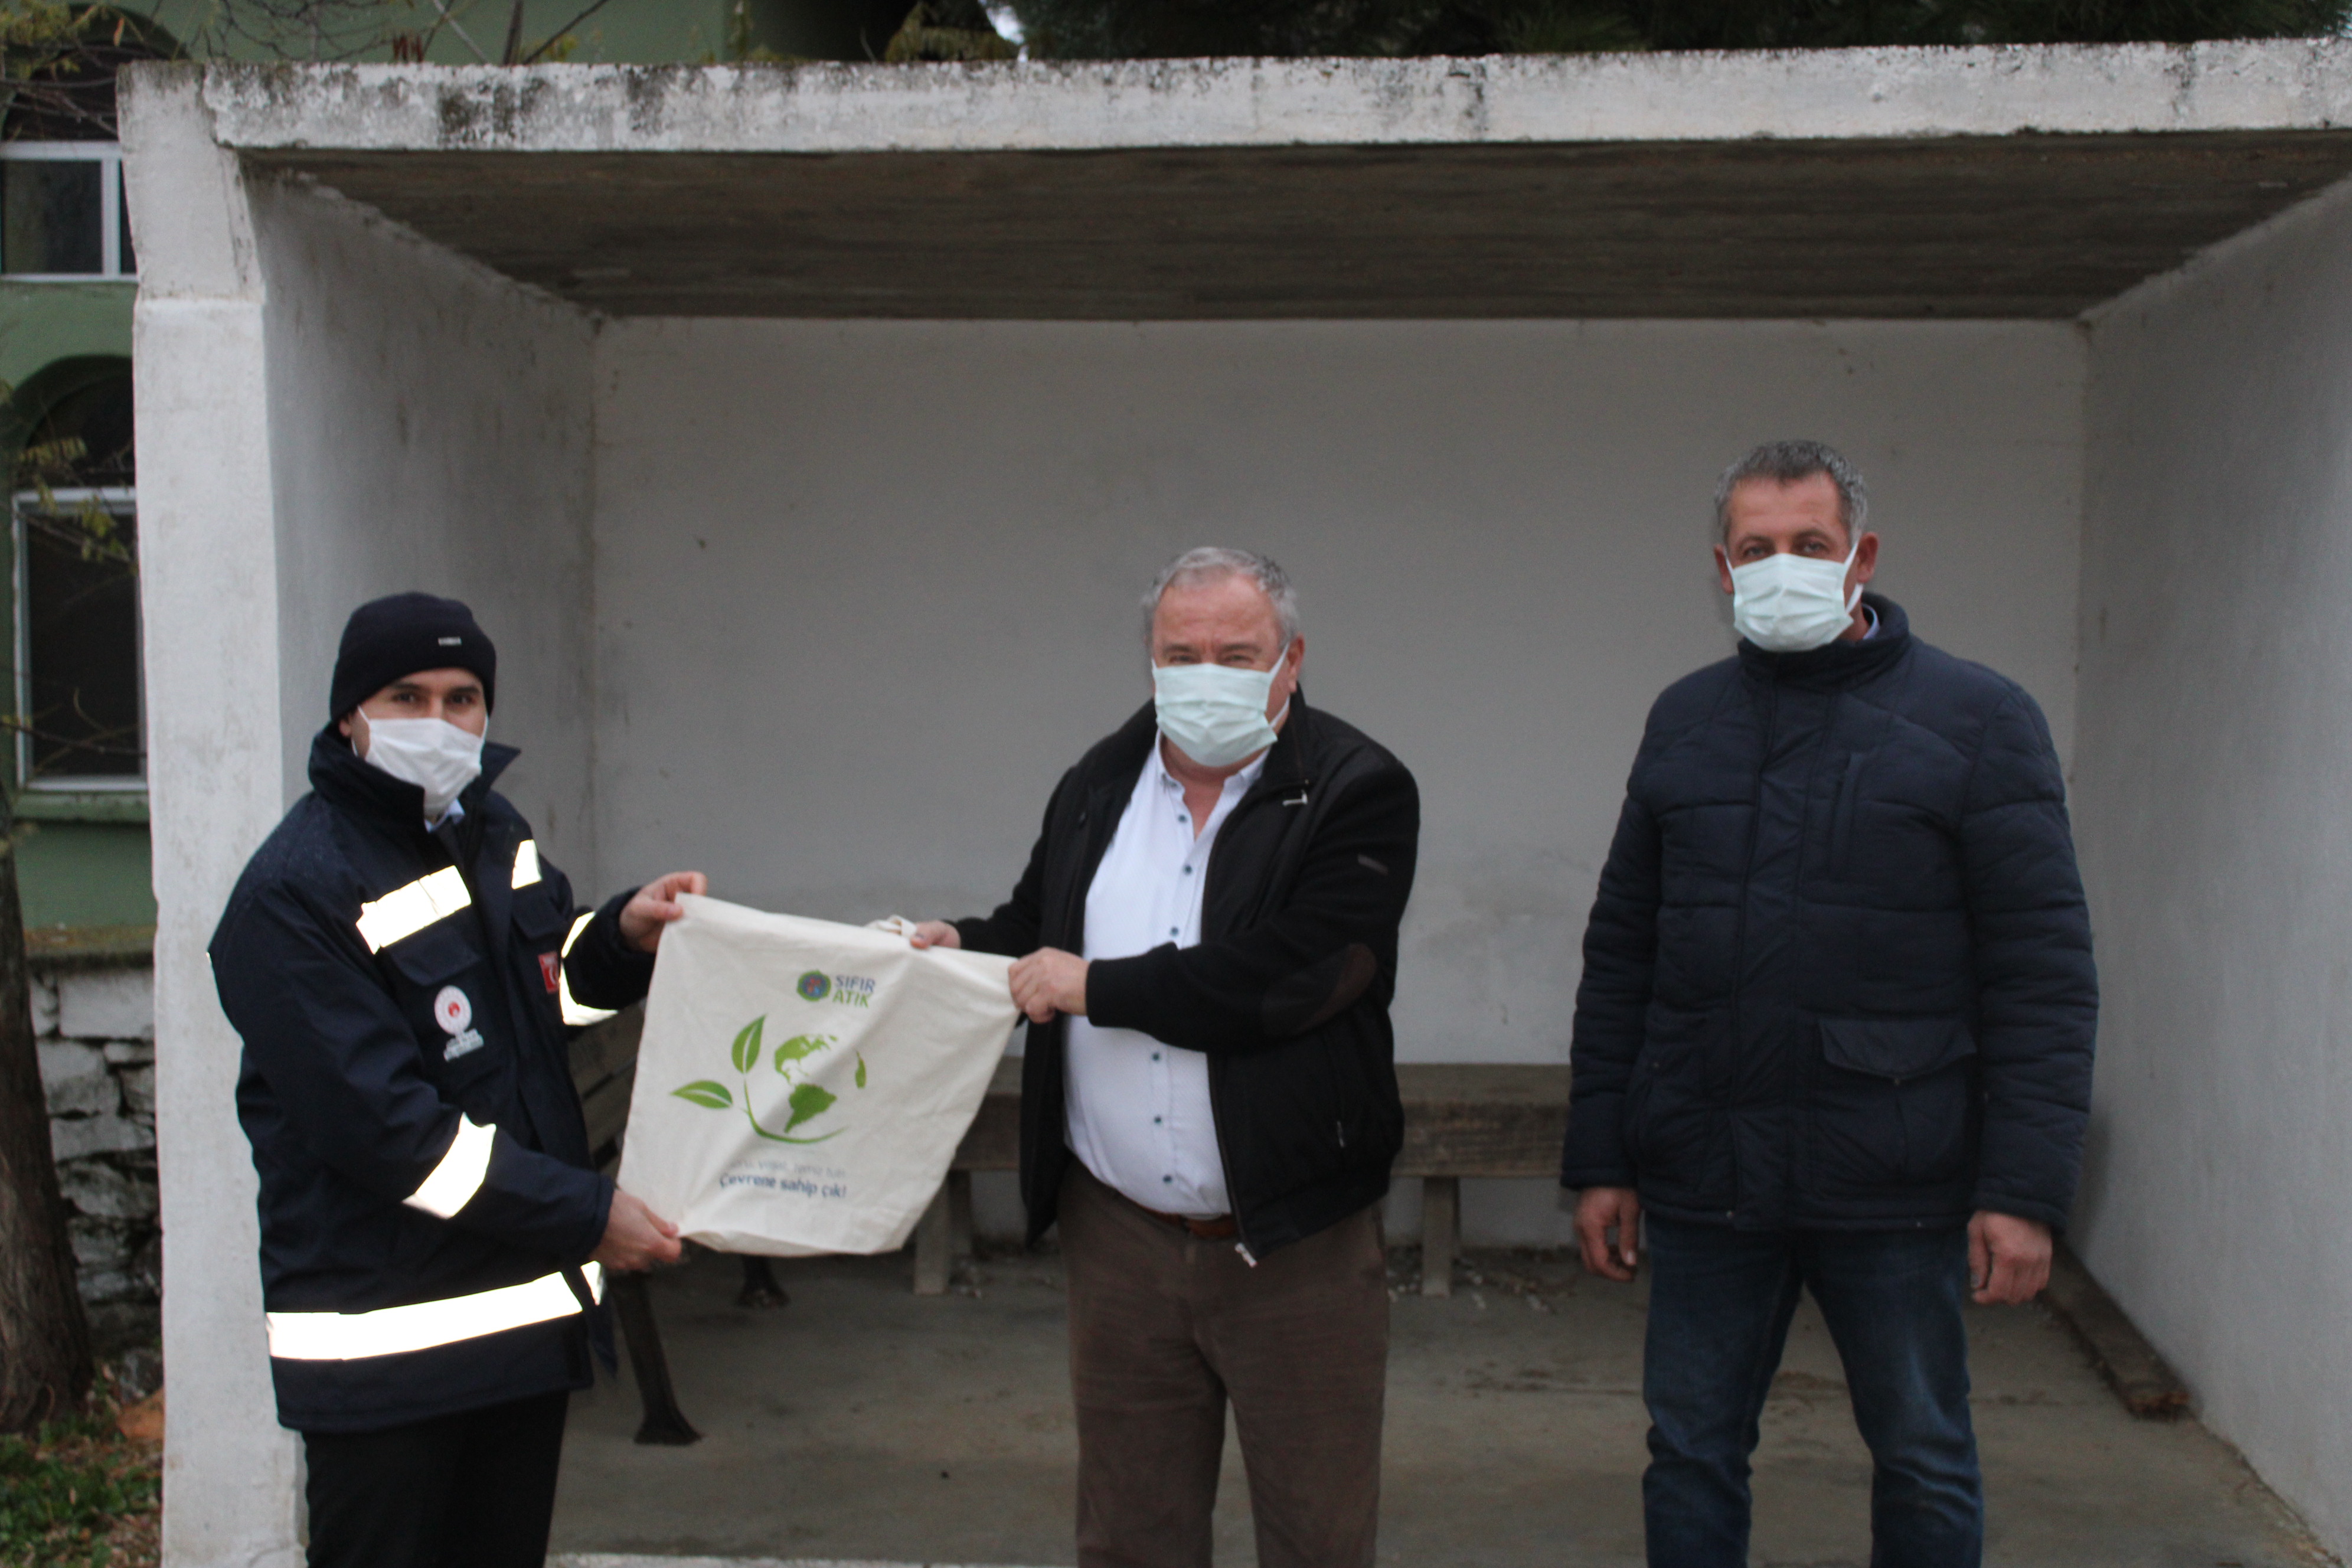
pixel 2001 227
pixel 2296 84
pixel 2003 182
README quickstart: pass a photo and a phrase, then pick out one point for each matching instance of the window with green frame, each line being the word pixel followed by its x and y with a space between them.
pixel 74 537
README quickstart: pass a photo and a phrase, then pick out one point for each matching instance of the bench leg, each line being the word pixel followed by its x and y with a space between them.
pixel 1441 1213
pixel 932 1245
pixel 960 1214
pixel 664 1422
pixel 760 1287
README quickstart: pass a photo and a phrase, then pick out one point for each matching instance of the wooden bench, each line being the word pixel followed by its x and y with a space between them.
pixel 1459 1120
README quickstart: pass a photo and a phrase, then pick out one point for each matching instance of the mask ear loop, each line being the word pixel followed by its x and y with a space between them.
pixel 1854 599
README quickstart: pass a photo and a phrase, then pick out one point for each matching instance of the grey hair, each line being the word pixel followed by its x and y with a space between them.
pixel 1786 463
pixel 1211 562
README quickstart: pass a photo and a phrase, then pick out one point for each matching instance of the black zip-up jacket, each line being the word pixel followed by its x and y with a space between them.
pixel 427 1194
pixel 1287 992
pixel 1839 972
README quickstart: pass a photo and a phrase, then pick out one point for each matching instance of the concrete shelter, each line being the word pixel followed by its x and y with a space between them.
pixel 805 435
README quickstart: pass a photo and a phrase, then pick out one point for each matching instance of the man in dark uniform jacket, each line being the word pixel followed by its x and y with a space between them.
pixel 1835 1026
pixel 403 964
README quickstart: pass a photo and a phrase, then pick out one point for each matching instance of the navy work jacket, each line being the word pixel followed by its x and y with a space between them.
pixel 1838 973
pixel 428 1198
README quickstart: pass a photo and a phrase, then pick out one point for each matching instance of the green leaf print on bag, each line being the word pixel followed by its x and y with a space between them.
pixel 806 1102
pixel 746 1045
pixel 809 1101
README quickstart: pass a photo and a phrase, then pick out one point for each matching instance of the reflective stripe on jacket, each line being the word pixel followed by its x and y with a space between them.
pixel 427 1195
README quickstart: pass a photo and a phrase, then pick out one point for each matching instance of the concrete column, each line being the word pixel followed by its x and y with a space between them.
pixel 208 586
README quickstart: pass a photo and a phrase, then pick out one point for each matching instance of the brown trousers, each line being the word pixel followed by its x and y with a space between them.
pixel 1165 1328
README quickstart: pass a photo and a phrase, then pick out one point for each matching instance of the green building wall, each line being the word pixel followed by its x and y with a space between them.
pixel 83 861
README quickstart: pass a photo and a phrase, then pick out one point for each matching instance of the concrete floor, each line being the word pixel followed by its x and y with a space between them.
pixel 864 1423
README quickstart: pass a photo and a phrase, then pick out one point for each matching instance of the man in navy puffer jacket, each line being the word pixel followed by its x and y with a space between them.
pixel 1835 1027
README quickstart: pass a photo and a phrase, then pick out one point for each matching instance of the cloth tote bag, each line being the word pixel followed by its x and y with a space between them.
pixel 801 1086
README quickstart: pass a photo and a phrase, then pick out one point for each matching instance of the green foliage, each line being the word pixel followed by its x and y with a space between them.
pixel 941 31
pixel 37 26
pixel 63 1493
pixel 58 64
pixel 746 1045
pixel 708 1094
pixel 1119 30
pixel 861 1069
pixel 809 1101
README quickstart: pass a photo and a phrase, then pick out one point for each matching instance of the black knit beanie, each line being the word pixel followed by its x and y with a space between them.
pixel 387 639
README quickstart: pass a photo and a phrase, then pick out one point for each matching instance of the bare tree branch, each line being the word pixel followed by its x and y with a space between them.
pixel 557 36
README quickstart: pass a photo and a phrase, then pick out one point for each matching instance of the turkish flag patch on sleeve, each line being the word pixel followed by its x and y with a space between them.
pixel 550 969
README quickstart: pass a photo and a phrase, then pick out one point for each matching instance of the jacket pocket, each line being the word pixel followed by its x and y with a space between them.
pixel 535 914
pixel 1893 1106
pixel 433 955
pixel 1669 1124
pixel 449 996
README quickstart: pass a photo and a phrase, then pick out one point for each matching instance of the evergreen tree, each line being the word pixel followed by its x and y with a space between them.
pixel 1124 30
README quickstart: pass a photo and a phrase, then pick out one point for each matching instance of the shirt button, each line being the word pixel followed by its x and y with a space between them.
pixel 1155 1055
pixel 1187 870
pixel 1168 1178
pixel 1155 1121
pixel 1172 931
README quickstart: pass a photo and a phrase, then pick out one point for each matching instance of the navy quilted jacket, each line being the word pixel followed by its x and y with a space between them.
pixel 1839 972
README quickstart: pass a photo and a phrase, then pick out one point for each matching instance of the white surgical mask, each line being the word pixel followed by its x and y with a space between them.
pixel 1213 714
pixel 434 754
pixel 1787 604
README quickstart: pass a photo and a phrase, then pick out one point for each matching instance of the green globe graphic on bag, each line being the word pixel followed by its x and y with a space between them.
pixel 804 1102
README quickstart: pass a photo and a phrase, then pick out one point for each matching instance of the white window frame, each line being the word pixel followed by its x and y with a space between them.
pixel 108 155
pixel 123 500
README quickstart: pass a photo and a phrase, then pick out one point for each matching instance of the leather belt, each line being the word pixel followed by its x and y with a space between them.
pixel 1223 1227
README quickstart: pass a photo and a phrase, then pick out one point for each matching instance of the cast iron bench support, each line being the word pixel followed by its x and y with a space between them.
pixel 603 1069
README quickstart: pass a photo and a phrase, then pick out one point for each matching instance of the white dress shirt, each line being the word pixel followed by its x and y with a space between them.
pixel 1140 1117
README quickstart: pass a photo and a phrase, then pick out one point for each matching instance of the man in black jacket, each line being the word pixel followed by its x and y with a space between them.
pixel 1207 934
pixel 1835 1025
pixel 403 962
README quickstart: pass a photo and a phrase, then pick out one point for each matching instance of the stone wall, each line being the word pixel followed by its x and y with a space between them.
pixel 95 1020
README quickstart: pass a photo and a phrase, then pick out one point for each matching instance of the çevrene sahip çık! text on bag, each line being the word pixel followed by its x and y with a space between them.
pixel 801 1086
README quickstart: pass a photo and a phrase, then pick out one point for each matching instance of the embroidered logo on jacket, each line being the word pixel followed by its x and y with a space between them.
pixel 455 1014
pixel 550 969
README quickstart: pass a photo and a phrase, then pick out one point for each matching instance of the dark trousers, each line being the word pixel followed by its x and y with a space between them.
pixel 472 1490
pixel 1720 1301
pixel 1166 1328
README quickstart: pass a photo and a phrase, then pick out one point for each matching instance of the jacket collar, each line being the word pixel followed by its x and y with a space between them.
pixel 345 781
pixel 1838 664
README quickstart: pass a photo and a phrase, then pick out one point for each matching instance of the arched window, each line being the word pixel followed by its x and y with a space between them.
pixel 75 524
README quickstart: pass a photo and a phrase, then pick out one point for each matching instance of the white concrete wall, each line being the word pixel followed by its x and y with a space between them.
pixel 865 590
pixel 2214 747
pixel 430 428
pixel 327 411
pixel 208 602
